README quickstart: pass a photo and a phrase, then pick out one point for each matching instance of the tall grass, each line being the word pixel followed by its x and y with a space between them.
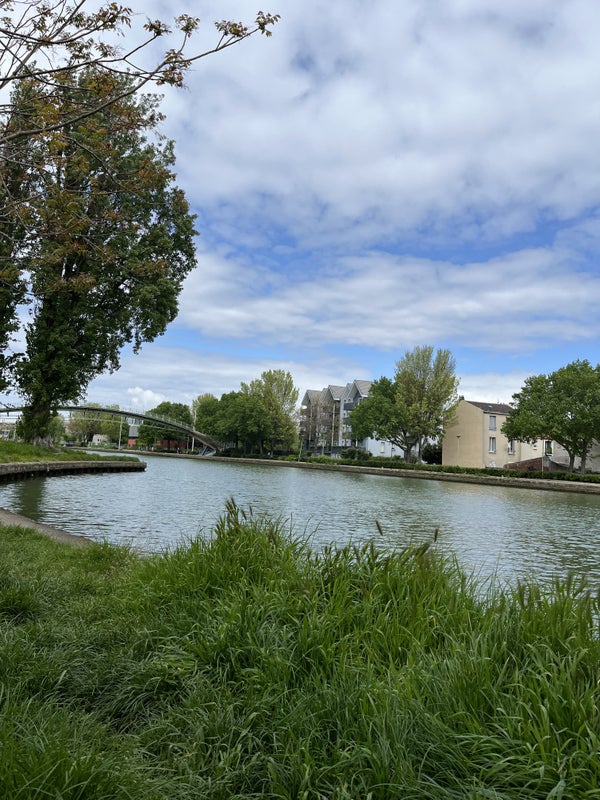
pixel 244 665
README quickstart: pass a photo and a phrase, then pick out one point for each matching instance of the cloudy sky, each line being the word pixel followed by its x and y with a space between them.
pixel 382 175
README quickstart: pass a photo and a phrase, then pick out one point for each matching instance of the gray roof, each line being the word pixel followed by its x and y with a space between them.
pixel 311 397
pixel 336 392
pixel 491 408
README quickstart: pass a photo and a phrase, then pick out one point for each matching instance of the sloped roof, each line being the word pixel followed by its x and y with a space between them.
pixel 336 392
pixel 491 408
pixel 364 387
pixel 311 397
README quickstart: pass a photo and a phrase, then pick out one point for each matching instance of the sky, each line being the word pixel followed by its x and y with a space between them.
pixel 377 176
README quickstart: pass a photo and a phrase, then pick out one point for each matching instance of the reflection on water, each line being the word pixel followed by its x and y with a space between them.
pixel 491 530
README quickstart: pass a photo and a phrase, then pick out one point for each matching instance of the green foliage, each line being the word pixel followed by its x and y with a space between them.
pixel 355 454
pixel 563 406
pixel 106 242
pixel 261 414
pixel 276 391
pixel 415 406
pixel 72 100
pixel 17 452
pixel 150 432
pixel 432 453
pixel 245 665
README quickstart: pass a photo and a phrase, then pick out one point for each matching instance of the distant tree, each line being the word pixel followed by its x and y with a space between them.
pixel 57 429
pixel 432 453
pixel 114 426
pixel 415 406
pixel 563 406
pixel 84 425
pixel 243 421
pixel 204 414
pixel 151 432
pixel 279 396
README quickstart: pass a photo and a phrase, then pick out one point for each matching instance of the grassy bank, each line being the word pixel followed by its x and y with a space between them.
pixel 248 667
pixel 16 452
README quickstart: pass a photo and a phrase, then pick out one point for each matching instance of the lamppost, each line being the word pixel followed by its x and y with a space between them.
pixel 458 449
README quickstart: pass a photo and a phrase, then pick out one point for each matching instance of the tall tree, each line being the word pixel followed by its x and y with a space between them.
pixel 276 389
pixel 106 246
pixel 83 425
pixel 563 406
pixel 57 44
pixel 415 406
pixel 204 413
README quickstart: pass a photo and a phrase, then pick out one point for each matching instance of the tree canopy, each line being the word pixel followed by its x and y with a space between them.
pixel 275 388
pixel 563 406
pixel 50 40
pixel 261 414
pixel 92 228
pixel 151 432
pixel 416 405
pixel 104 247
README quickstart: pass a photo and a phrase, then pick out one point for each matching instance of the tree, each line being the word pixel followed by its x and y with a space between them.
pixel 114 426
pixel 55 47
pixel 48 40
pixel 150 432
pixel 276 389
pixel 83 425
pixel 107 244
pixel 204 411
pixel 415 406
pixel 563 406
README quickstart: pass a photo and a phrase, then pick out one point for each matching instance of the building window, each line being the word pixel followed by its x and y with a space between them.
pixel 382 448
pixel 547 448
pixel 511 448
pixel 492 444
pixel 492 422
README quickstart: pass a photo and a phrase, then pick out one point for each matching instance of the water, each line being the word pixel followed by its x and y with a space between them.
pixel 505 532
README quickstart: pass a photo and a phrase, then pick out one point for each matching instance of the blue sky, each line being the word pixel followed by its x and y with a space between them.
pixel 382 175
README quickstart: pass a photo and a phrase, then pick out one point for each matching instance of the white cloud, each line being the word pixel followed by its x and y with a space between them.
pixel 374 119
pixel 514 301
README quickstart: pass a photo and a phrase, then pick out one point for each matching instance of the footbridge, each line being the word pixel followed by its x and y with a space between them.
pixel 210 445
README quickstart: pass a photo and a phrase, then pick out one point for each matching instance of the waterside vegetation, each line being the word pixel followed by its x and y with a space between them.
pixel 18 452
pixel 246 665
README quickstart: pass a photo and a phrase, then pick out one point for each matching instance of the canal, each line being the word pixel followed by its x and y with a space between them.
pixel 493 531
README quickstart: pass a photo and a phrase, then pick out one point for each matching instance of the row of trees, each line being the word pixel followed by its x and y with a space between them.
pixel 260 416
pixel 95 236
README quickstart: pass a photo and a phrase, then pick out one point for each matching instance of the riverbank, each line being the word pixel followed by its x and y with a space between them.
pixel 22 470
pixel 71 463
pixel 247 666
pixel 451 477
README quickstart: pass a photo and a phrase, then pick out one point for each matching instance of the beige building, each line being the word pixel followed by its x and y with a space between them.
pixel 475 438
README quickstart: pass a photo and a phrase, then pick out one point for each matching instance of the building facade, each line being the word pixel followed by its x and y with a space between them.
pixel 325 421
pixel 475 439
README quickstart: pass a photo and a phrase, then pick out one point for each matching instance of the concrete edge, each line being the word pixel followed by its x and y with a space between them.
pixel 10 520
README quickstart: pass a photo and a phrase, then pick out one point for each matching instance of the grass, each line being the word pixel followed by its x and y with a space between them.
pixel 17 452
pixel 244 665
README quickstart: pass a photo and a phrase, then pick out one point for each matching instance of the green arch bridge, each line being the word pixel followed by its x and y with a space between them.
pixel 211 446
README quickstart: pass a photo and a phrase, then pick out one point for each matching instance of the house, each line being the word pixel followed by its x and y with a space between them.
pixel 475 438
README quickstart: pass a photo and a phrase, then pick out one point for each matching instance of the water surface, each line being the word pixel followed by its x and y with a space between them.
pixel 503 531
